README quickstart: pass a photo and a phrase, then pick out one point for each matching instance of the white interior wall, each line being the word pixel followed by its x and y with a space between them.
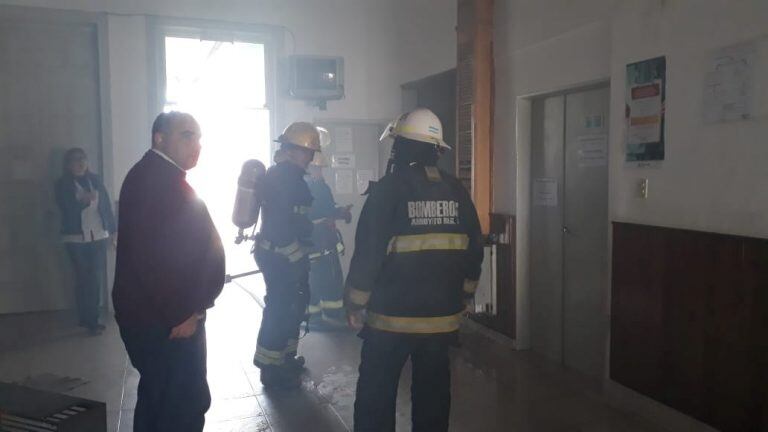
pixel 426 37
pixel 384 44
pixel 358 30
pixel 541 47
pixel 129 90
pixel 714 176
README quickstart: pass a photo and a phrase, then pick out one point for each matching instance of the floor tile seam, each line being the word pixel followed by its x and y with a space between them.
pixel 245 417
pixel 122 392
pixel 341 419
pixel 250 384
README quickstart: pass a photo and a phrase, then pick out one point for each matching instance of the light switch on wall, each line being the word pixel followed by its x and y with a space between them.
pixel 643 188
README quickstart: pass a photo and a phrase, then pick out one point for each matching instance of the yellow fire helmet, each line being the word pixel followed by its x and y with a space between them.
pixel 301 134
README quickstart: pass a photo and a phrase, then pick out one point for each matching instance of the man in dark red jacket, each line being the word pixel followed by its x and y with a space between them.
pixel 170 268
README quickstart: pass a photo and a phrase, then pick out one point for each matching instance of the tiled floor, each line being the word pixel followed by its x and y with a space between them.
pixel 494 388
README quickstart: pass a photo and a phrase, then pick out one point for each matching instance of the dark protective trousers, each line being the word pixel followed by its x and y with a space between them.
pixel 173 390
pixel 326 285
pixel 285 307
pixel 88 262
pixel 382 359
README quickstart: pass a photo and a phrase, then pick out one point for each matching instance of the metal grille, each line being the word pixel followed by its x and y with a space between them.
pixel 24 409
pixel 9 422
pixel 465 92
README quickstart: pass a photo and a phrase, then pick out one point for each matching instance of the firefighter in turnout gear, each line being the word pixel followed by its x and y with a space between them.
pixel 418 252
pixel 326 281
pixel 281 252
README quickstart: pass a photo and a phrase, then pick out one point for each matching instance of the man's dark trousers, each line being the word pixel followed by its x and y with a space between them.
pixel 173 391
pixel 382 359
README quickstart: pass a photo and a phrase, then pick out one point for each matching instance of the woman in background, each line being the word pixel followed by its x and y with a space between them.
pixel 87 222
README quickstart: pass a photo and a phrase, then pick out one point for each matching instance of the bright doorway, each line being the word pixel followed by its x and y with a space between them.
pixel 224 86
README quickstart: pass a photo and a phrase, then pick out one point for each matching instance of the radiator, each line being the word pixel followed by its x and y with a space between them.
pixel 486 296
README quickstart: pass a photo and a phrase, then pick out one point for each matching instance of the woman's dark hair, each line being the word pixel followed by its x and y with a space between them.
pixel 70 154
pixel 407 151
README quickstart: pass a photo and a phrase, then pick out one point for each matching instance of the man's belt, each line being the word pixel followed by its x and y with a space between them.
pixel 338 250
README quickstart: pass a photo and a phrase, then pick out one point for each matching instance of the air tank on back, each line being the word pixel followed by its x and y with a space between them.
pixel 249 196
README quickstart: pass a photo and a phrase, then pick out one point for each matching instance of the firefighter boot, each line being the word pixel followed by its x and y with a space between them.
pixel 280 377
pixel 295 362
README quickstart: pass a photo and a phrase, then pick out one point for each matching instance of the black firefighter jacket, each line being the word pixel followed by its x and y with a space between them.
pixel 418 252
pixel 285 227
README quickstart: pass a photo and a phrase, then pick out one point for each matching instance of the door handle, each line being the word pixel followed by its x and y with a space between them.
pixel 566 230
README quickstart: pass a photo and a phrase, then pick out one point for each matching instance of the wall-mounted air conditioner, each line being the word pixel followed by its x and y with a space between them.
pixel 316 79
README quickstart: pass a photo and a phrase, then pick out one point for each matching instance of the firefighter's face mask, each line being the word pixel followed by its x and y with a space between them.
pixel 299 155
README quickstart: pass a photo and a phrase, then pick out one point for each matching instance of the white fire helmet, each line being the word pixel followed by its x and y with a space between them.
pixel 325 137
pixel 420 124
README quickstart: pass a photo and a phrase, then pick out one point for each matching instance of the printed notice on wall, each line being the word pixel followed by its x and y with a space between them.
pixel 545 192
pixel 592 150
pixel 364 177
pixel 645 114
pixel 343 161
pixel 729 85
pixel 343 142
pixel 344 182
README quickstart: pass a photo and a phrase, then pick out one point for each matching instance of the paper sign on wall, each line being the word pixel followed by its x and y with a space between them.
pixel 592 150
pixel 545 192
pixel 729 85
pixel 343 161
pixel 343 142
pixel 344 182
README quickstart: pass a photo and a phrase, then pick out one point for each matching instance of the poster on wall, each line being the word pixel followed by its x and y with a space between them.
pixel 645 96
pixel 729 84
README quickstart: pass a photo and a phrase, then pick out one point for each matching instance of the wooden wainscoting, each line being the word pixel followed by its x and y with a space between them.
pixel 689 325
